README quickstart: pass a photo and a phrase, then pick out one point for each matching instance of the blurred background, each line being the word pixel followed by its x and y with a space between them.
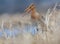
pixel 18 6
pixel 15 28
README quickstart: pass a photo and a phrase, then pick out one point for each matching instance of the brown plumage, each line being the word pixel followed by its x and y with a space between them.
pixel 31 9
pixel 36 16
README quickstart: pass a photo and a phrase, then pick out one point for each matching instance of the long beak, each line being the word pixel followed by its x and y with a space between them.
pixel 29 8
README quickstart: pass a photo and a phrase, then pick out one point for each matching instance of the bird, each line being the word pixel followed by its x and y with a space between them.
pixel 31 9
pixel 35 16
